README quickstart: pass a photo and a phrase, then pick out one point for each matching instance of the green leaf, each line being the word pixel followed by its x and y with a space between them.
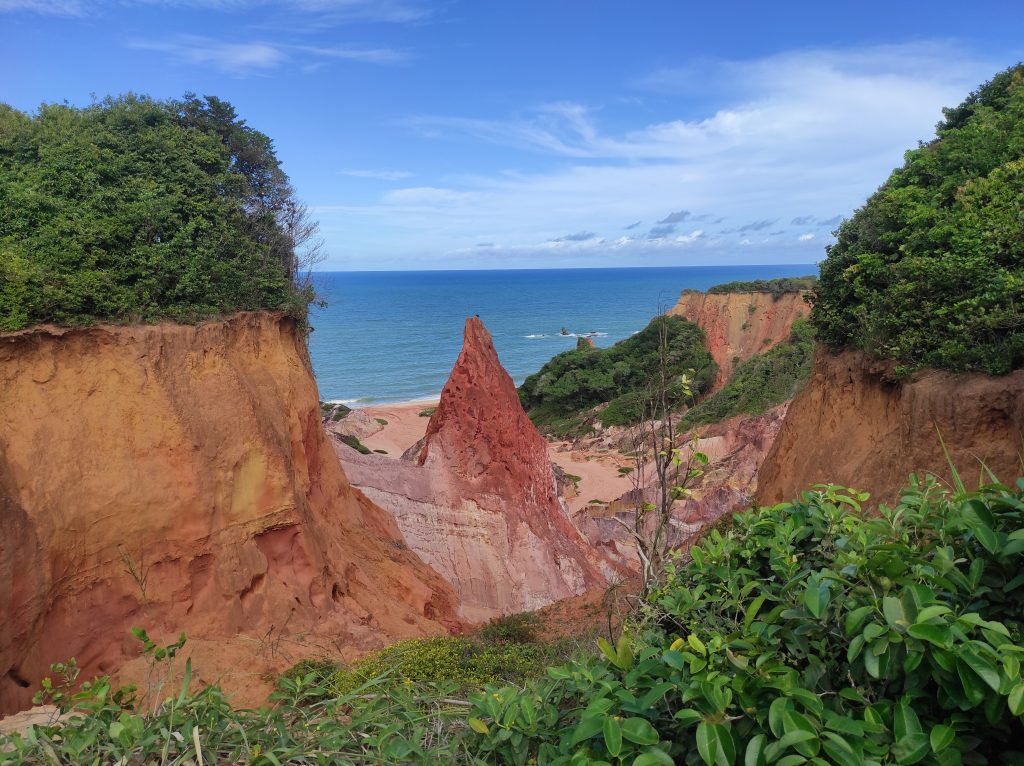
pixel 607 650
pixel 816 595
pixel 985 669
pixel 613 735
pixel 940 635
pixel 697 644
pixel 654 695
pixel 905 721
pixel 753 609
pixel 795 737
pixel 707 743
pixel 478 726
pixel 911 748
pixel 855 648
pixel 585 729
pixel 1016 699
pixel 931 612
pixel 840 751
pixel 791 760
pixel 623 653
pixel 640 731
pixel 775 712
pixel 653 757
pixel 892 608
pixel 674 659
pixel 755 751
pixel 941 737
pixel 855 619
pixel 688 717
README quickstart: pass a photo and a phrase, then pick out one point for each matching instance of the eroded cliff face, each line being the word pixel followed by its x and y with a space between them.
pixel 178 478
pixel 855 424
pixel 740 325
pixel 477 496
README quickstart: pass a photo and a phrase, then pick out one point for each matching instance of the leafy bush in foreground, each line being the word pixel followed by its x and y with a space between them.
pixel 761 382
pixel 805 633
pixel 811 632
pixel 930 270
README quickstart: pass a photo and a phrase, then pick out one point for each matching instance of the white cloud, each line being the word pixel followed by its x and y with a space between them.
pixel 242 58
pixel 382 175
pixel 329 12
pixel 350 53
pixel 45 7
pixel 686 239
pixel 236 58
pixel 809 134
pixel 805 237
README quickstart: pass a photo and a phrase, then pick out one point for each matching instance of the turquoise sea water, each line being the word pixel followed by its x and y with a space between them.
pixel 394 336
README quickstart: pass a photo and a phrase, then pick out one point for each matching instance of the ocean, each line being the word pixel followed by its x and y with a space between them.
pixel 393 336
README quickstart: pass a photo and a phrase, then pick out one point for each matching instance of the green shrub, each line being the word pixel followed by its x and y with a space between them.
pixel 930 271
pixel 427 412
pixel 574 382
pixel 761 382
pixel 521 628
pixel 133 209
pixel 461 661
pixel 355 444
pixel 339 412
pixel 307 724
pixel 811 632
pixel 777 287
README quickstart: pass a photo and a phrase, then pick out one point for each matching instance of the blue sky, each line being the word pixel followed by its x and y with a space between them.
pixel 562 133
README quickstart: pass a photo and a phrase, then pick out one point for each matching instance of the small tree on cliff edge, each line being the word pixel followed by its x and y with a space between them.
pixel 660 466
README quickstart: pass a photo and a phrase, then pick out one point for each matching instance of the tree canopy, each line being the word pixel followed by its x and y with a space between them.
pixel 133 209
pixel 573 382
pixel 930 271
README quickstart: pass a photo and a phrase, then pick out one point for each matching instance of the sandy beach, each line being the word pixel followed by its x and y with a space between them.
pixel 598 470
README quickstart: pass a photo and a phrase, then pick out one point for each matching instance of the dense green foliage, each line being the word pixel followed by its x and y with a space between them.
pixel 811 632
pixel 777 287
pixel 353 441
pixel 558 397
pixel 133 210
pixel 466 662
pixel 761 382
pixel 805 633
pixel 930 270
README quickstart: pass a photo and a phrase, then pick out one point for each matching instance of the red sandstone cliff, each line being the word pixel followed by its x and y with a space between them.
pixel 740 325
pixel 196 456
pixel 854 424
pixel 477 498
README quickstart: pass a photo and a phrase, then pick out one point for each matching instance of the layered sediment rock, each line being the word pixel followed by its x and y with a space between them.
pixel 740 325
pixel 178 478
pixel 477 498
pixel 856 424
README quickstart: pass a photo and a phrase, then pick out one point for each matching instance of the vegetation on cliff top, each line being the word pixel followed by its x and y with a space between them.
pixel 133 209
pixel 574 382
pixel 761 382
pixel 930 271
pixel 777 287
pixel 811 632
